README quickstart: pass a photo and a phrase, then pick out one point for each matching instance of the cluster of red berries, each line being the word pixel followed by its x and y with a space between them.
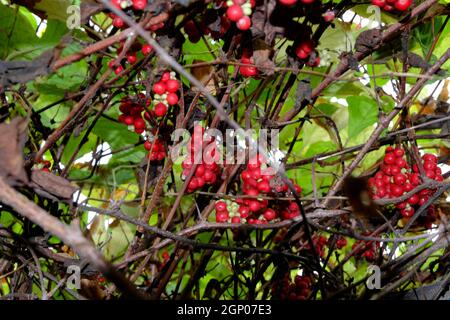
pixel 131 56
pixel 165 93
pixel 247 71
pixel 157 151
pixel 341 242
pixel 390 5
pixel 137 5
pixel 256 181
pixel 239 11
pixel 368 249
pixel 299 289
pixel 207 171
pixel 132 114
pixel 305 51
pixel 43 165
pixel 396 178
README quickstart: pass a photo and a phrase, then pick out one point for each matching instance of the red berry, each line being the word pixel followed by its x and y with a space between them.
pixel 221 206
pixel 414 199
pixel 160 110
pixel 139 4
pixel 430 174
pixel 244 23
pixel 400 162
pixel 400 179
pixel 429 157
pixel 235 220
pixel 428 165
pixel 269 214
pixel 389 158
pixel 159 88
pixel 399 152
pixel 254 205
pixel 264 186
pixel 139 123
pixel 118 22
pixel 379 3
pixel 235 12
pixel 301 54
pixel 407 212
pixel 200 170
pixel 222 216
pixel 147 145
pixel 172 85
pixel 146 49
pixel 397 190
pixel 209 176
pixel 172 99
pixel 403 5
pixel 395 170
pixel 128 120
pixel 288 2
pixel 193 184
pixel 118 70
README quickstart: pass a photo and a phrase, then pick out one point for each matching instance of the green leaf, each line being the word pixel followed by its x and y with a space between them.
pixel 362 112
pixel 17 31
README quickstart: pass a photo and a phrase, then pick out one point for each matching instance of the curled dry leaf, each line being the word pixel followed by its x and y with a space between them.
pixel 202 74
pixel 12 140
pixel 52 186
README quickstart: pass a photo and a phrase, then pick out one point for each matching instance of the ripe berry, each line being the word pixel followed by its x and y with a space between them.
pixel 264 186
pixel 159 88
pixel 400 179
pixel 222 216
pixel 244 23
pixel 414 199
pixel 235 12
pixel 254 205
pixel 118 22
pixel 172 85
pixel 147 145
pixel 430 174
pixel 193 184
pixel 288 2
pixel 172 99
pixel 128 120
pixel 429 157
pixel 399 152
pixel 407 212
pixel 235 220
pixel 269 214
pixel 146 49
pixel 379 3
pixel 221 206
pixel 389 158
pixel 131 58
pixel 160 110
pixel 118 70
pixel 244 211
pixel 139 123
pixel 396 190
pixel 139 4
pixel 428 165
pixel 403 5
